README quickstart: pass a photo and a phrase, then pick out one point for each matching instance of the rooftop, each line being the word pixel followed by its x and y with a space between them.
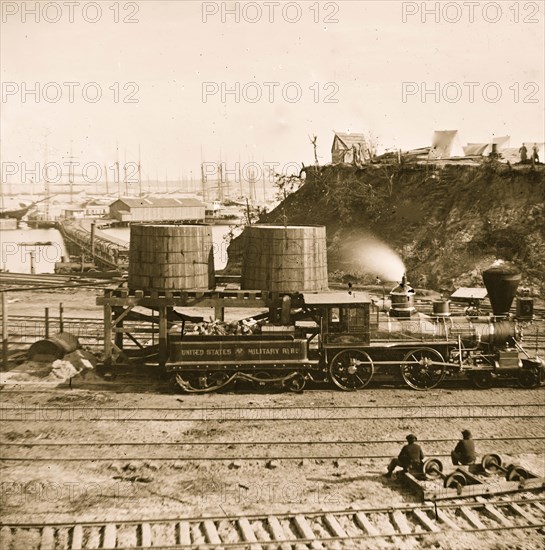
pixel 158 202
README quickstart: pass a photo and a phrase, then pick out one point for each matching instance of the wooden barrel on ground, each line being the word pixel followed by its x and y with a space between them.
pixel 171 257
pixel 284 258
pixel 53 348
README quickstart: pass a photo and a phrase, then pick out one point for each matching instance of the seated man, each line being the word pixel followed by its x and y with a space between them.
pixel 464 452
pixel 411 457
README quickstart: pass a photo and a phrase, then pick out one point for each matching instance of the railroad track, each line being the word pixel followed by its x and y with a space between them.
pixel 233 413
pixel 357 528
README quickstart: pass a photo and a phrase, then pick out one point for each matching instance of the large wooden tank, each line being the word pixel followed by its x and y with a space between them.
pixel 171 257
pixel 281 258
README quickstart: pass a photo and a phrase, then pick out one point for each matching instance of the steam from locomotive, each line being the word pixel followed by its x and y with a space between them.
pixel 375 257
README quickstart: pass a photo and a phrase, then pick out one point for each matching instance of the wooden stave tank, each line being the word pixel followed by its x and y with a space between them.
pixel 279 258
pixel 171 257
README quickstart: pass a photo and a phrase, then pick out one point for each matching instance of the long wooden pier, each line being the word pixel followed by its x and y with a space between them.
pixel 106 251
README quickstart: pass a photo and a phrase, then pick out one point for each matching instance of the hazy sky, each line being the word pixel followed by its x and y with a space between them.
pixel 364 61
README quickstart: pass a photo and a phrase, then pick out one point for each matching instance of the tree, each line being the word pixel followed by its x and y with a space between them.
pixel 285 186
pixel 313 140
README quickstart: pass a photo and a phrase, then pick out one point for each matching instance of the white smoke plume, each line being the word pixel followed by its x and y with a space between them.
pixel 375 257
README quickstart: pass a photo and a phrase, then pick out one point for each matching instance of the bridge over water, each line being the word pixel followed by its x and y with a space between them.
pixel 85 237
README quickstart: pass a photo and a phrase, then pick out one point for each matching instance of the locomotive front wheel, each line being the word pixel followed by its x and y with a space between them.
pixel 481 380
pixel 351 369
pixel 528 379
pixel 423 368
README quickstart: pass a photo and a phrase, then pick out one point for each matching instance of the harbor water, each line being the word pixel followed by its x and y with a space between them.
pixel 17 245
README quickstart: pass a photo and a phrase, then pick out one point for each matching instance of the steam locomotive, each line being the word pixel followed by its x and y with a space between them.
pixel 342 337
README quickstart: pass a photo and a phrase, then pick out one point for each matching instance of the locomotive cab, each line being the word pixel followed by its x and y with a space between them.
pixel 343 317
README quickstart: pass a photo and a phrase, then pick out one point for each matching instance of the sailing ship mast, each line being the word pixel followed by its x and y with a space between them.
pixel 139 173
pixel 46 178
pixel 118 175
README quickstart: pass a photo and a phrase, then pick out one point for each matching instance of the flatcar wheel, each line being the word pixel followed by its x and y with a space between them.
pixel 208 383
pixel 528 378
pixel 216 380
pixel 423 368
pixel 262 379
pixel 351 369
pixel 481 380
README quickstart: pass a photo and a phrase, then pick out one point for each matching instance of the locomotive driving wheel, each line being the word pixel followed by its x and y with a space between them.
pixel 351 369
pixel 423 368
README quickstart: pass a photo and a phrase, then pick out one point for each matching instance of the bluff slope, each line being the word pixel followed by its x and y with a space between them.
pixel 446 222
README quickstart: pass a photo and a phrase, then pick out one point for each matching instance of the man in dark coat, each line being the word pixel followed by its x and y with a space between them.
pixel 523 154
pixel 464 452
pixel 410 457
pixel 535 154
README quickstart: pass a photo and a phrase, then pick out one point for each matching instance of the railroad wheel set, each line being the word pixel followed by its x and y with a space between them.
pixel 492 464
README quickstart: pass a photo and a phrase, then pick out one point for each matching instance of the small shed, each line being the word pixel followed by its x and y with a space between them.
pixel 349 148
pixel 157 210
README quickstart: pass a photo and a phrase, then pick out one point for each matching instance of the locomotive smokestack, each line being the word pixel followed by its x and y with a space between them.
pixel 501 280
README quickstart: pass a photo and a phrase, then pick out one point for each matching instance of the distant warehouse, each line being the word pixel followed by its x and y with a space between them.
pixel 157 210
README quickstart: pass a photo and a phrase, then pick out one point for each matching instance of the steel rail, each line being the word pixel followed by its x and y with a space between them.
pixel 263 443
pixel 268 419
pixel 289 407
pixel 201 458
pixel 430 507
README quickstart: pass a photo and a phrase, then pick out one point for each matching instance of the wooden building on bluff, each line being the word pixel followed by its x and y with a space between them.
pixel 349 148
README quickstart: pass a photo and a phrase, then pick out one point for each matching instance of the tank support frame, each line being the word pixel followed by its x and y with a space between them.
pixel 119 302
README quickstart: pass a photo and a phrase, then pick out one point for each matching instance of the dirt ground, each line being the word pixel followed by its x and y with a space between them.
pixel 145 480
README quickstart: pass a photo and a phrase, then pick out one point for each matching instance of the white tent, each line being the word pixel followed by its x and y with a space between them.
pixel 446 144
pixel 501 141
pixel 475 149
